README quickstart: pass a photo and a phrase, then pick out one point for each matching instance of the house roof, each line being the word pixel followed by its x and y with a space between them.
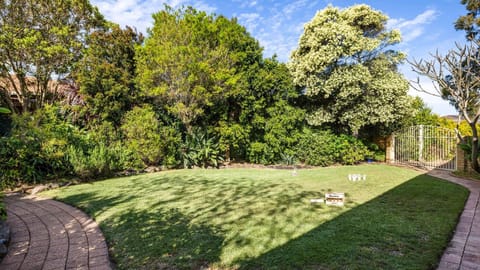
pixel 61 87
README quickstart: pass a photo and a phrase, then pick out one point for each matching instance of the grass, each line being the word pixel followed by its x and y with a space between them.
pixel 263 219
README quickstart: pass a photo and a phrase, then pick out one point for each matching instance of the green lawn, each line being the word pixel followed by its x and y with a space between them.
pixel 263 218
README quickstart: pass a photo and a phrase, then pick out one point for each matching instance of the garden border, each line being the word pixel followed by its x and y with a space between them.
pixel 463 251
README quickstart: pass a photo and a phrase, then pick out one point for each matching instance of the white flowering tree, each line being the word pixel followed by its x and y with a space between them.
pixel 348 70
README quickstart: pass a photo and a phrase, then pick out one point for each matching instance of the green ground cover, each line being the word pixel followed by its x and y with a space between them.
pixel 263 219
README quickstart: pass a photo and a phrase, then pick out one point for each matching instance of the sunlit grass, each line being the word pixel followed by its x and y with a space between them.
pixel 263 218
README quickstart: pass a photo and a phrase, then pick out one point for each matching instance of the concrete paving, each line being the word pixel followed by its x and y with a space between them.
pixel 50 235
pixel 463 252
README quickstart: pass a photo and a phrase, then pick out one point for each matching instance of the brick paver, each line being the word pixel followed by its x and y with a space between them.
pixel 463 252
pixel 50 235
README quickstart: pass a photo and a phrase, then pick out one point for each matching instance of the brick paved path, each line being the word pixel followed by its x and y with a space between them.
pixel 50 235
pixel 463 252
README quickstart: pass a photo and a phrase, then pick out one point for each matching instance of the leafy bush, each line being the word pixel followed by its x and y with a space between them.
pixel 152 143
pixel 201 150
pixel 317 148
pixel 288 159
pixel 259 153
pixel 36 147
pixel 350 150
pixel 283 130
pixel 97 161
pixel 20 159
pixel 322 148
pixel 171 142
pixel 43 146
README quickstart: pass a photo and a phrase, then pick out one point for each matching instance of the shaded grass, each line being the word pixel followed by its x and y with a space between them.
pixel 262 218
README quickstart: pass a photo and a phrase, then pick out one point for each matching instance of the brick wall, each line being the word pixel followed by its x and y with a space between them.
pixel 463 162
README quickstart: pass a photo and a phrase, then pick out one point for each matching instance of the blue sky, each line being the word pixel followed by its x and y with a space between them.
pixel 426 25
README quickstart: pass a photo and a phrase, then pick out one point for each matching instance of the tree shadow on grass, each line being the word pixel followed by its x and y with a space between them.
pixel 94 204
pixel 407 227
pixel 244 216
pixel 152 238
pixel 185 222
pixel 191 222
pixel 162 239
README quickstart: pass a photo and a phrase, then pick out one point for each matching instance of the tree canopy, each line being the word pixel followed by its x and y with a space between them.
pixel 469 22
pixel 185 66
pixel 346 70
pixel 196 91
pixel 106 74
pixel 40 40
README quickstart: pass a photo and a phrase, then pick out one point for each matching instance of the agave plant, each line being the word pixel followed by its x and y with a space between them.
pixel 288 159
pixel 201 150
pixel 4 110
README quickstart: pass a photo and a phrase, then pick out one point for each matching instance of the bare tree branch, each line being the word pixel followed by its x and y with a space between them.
pixel 456 78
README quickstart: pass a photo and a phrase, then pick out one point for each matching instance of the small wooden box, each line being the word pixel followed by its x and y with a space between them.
pixel 336 199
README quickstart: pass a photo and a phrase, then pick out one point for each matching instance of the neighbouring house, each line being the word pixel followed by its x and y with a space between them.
pixel 28 95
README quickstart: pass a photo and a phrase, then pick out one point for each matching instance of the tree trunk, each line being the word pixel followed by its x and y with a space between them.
pixel 474 157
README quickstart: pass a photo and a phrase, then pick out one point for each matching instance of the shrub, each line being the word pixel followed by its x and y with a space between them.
pixel 283 130
pixel 97 161
pixel 317 148
pixel 288 159
pixel 259 153
pixel 43 145
pixel 201 150
pixel 350 150
pixel 20 159
pixel 146 138
pixel 170 145
pixel 36 147
pixel 322 148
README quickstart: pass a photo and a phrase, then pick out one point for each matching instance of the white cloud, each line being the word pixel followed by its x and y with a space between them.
pixel 424 18
pixel 248 4
pixel 204 6
pixel 138 13
pixel 412 29
pixel 437 104
pixel 412 34
pixel 250 20
pixel 293 7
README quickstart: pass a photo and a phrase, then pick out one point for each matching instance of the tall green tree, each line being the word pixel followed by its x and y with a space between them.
pixel 208 72
pixel 470 23
pixel 422 114
pixel 40 40
pixel 231 118
pixel 349 73
pixel 106 74
pixel 183 66
pixel 270 113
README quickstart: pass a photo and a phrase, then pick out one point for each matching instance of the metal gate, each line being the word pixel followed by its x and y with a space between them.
pixel 427 147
